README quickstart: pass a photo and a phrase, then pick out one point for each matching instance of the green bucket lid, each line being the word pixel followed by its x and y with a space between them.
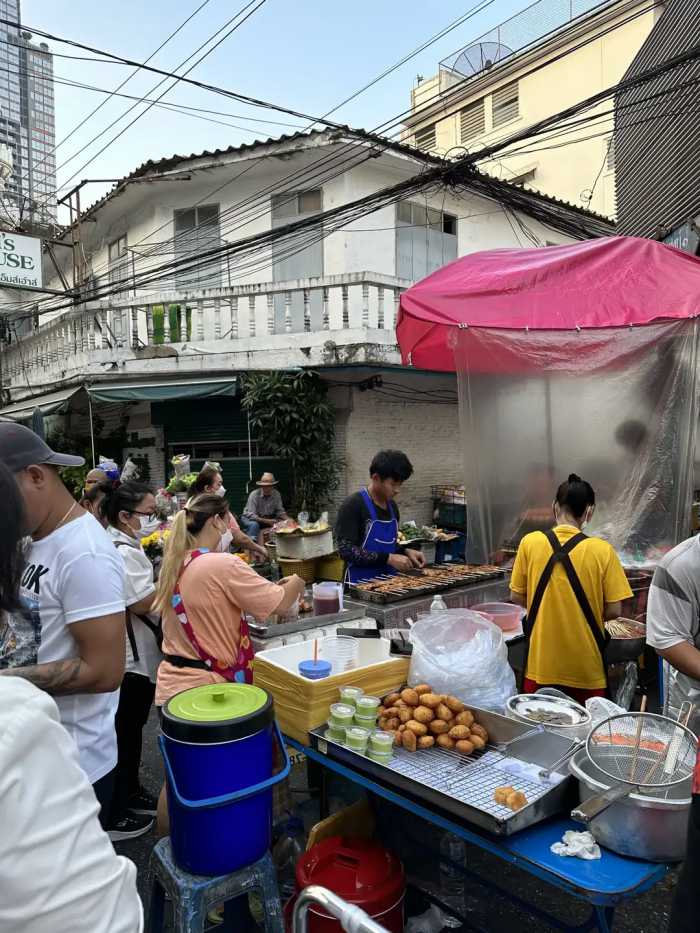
pixel 217 713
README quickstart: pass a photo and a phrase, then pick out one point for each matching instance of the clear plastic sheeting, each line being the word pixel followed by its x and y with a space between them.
pixel 616 405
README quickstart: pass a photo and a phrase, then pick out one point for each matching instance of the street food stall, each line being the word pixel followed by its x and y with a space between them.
pixel 570 358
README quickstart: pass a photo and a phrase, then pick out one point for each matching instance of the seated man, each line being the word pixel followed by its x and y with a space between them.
pixel 263 509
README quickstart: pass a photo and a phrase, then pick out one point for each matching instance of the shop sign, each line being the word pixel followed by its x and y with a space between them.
pixel 685 237
pixel 20 261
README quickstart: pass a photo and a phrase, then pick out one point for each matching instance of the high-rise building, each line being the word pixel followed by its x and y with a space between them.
pixel 27 123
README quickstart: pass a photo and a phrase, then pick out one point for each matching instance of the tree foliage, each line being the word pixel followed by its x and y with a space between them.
pixel 292 415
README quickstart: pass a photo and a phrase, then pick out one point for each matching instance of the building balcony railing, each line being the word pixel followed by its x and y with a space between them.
pixel 251 317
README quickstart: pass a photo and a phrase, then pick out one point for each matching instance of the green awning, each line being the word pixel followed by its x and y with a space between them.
pixel 156 391
pixel 48 404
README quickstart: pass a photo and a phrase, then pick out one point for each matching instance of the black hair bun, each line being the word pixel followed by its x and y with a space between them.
pixel 574 478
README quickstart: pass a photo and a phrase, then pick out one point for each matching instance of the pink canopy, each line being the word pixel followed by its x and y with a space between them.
pixel 604 283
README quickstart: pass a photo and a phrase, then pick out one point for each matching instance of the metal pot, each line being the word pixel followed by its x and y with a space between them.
pixel 647 827
pixel 547 699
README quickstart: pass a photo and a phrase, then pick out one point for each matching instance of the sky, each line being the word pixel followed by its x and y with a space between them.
pixel 307 55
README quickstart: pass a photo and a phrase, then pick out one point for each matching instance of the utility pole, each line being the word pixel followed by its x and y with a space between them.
pixel 72 201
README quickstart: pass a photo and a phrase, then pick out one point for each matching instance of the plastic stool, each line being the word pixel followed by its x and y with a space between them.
pixel 193 896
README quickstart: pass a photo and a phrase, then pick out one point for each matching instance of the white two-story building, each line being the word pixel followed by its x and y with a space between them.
pixel 161 351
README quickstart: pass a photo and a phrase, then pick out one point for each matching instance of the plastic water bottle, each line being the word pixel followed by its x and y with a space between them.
pixel 453 853
pixel 438 603
pixel 285 855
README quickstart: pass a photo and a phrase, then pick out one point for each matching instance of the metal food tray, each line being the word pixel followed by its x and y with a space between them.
pixel 463 786
pixel 429 589
pixel 304 623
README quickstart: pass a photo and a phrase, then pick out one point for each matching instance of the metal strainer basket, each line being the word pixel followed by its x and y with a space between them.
pixel 643 749
pixel 639 752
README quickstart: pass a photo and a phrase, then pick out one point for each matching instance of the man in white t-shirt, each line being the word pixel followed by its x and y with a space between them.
pixel 69 640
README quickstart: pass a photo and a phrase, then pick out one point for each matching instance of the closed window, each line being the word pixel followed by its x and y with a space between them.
pixel 505 104
pixel 196 232
pixel 118 256
pixel 426 239
pixel 425 138
pixel 472 120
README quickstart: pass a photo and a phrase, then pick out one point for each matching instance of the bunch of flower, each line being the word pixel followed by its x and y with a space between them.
pixel 153 545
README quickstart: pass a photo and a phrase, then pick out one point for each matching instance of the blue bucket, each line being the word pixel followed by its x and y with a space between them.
pixel 217 745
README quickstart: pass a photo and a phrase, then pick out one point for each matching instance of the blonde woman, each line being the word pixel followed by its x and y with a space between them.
pixel 203 596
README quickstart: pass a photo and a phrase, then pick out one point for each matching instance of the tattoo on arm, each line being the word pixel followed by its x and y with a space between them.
pixel 55 677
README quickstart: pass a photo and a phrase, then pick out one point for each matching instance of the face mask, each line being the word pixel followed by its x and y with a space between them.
pixel 148 526
pixel 221 491
pixel 225 542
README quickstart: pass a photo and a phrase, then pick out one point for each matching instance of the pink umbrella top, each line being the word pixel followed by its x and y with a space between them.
pixel 605 283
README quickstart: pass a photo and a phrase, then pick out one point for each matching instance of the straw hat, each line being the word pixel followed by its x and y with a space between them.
pixel 267 479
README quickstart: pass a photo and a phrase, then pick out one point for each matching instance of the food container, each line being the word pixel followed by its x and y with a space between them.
pixel 342 651
pixel 335 735
pixel 304 545
pixel 627 648
pixel 366 722
pixel 639 826
pixel 327 598
pixel 382 758
pixel 342 716
pixel 381 742
pixel 553 710
pixel 350 695
pixel 366 707
pixel 357 738
pixel 505 615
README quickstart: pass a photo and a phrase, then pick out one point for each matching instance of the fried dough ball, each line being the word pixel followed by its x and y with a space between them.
pixel 465 719
pixel 392 724
pixel 478 743
pixel 444 741
pixel 459 732
pixel 423 688
pixel 382 722
pixel 454 704
pixel 432 700
pixel 464 747
pixel 479 730
pixel 516 801
pixel 405 714
pixel 398 739
pixel 391 699
pixel 402 727
pixel 426 741
pixel 501 794
pixel 418 728
pixel 381 712
pixel 439 726
pixel 444 712
pixel 423 714
pixel 409 740
pixel 400 704
pixel 410 696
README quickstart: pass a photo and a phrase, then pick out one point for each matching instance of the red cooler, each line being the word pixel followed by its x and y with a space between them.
pixel 360 871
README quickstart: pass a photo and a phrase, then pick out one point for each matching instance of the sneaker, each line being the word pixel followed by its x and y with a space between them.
pixel 143 803
pixel 130 826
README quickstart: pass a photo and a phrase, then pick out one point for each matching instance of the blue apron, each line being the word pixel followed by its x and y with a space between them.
pixel 381 537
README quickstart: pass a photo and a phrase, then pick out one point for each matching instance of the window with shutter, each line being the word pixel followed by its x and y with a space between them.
pixel 197 230
pixel 505 104
pixel 426 240
pixel 472 120
pixel 425 137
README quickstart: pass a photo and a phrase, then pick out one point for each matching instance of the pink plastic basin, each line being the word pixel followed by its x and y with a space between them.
pixel 505 615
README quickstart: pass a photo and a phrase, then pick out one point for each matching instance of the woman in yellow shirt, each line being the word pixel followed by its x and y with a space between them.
pixel 567 628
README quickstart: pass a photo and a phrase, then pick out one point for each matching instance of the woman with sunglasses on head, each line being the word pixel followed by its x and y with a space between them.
pixel 129 511
pixel 58 868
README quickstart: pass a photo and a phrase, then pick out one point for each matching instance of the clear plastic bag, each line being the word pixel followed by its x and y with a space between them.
pixel 181 464
pixel 458 652
pixel 130 471
pixel 109 468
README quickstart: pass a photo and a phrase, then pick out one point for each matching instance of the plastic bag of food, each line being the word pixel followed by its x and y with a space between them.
pixel 458 652
pixel 181 464
pixel 129 471
pixel 109 468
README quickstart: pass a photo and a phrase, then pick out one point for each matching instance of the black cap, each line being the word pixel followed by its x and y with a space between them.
pixel 20 448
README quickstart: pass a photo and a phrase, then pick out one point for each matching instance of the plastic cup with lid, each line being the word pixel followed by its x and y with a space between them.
pixel 342 715
pixel 351 695
pixel 381 742
pixel 357 738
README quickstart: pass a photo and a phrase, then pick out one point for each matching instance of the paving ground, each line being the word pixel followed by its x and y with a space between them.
pixel 489 912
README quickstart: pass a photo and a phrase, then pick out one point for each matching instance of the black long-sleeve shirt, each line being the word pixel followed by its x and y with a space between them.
pixel 351 527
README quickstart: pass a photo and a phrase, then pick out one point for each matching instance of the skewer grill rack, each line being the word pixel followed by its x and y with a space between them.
pixel 457 575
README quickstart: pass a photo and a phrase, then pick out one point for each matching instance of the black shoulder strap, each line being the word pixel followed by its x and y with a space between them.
pixel 156 629
pixel 131 636
pixel 560 554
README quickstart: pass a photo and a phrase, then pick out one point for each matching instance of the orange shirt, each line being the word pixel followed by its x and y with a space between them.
pixel 216 590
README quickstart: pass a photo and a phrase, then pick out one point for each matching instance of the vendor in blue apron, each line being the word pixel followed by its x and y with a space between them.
pixel 367 527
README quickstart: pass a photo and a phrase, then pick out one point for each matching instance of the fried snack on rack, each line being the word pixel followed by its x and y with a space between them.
pixel 423 688
pixel 423 714
pixel 464 719
pixel 444 741
pixel 501 794
pixel 419 728
pixel 439 727
pixel 516 801
pixel 426 741
pixel 431 700
pixel 410 696
pixel 464 747
pixel 410 740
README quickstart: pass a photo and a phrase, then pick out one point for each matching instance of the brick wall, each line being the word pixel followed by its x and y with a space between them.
pixel 427 432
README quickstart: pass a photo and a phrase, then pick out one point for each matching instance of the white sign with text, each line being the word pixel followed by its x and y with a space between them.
pixel 20 261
